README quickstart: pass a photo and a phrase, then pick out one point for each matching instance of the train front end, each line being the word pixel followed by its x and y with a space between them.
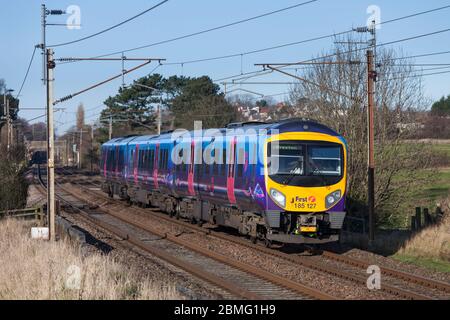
pixel 306 177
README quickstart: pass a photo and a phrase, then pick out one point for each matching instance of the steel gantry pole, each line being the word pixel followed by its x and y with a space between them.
pixel 50 147
pixel 158 125
pixel 371 75
pixel 81 146
pixel 8 127
pixel 43 43
pixel 110 127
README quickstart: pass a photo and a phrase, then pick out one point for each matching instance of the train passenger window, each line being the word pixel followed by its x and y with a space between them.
pixel 120 160
pixel 166 159
pixel 163 160
pixel 108 161
pixel 224 162
pixel 112 161
pixel 198 168
pixel 139 163
pixel 145 160
pixel 152 159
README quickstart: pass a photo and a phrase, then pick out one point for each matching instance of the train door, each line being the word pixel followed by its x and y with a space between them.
pixel 241 174
pixel 135 164
pixel 191 188
pixel 105 161
pixel 116 160
pixel 231 171
pixel 155 166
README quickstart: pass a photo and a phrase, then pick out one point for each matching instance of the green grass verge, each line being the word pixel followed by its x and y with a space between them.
pixel 428 263
pixel 425 195
pixel 442 147
pixel 437 190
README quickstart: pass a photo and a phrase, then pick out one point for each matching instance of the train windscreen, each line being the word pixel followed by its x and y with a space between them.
pixel 308 164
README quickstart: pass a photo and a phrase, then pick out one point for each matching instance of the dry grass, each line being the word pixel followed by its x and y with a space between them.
pixel 35 269
pixel 432 242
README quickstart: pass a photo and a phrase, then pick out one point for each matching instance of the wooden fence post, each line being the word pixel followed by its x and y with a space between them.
pixel 427 217
pixel 418 218
pixel 413 223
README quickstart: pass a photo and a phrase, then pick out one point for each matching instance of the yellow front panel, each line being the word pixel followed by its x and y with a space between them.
pixel 305 199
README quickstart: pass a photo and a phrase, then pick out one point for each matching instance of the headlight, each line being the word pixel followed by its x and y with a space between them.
pixel 279 198
pixel 332 198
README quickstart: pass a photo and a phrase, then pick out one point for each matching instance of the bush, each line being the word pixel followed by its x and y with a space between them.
pixel 13 185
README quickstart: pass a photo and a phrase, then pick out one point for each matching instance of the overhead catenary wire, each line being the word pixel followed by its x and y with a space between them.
pixel 212 29
pixel 70 96
pixel 260 73
pixel 28 71
pixel 314 39
pixel 263 49
pixel 416 14
pixel 415 76
pixel 305 40
pixel 110 28
pixel 418 70
pixel 422 55
pixel 202 31
pixel 281 65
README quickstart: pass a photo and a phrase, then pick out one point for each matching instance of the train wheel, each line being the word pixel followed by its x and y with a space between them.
pixel 254 240
pixel 267 243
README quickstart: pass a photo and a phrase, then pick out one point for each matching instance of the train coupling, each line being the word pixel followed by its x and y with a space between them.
pixel 306 224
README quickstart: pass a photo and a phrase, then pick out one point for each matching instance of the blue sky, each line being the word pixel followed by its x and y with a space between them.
pixel 20 31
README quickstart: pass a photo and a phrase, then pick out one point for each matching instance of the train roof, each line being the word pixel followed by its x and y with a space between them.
pixel 281 126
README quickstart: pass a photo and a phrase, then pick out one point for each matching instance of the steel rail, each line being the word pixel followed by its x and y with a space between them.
pixel 426 282
pixel 430 283
pixel 278 280
pixel 190 268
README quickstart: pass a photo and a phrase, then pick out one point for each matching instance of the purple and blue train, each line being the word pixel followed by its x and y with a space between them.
pixel 283 181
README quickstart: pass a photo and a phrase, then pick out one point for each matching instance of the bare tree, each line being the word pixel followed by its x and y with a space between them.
pixel 399 95
pixel 80 117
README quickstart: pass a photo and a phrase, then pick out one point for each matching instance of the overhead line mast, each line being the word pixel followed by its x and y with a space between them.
pixel 371 78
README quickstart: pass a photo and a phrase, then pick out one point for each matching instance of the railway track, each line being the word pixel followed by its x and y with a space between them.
pixel 401 284
pixel 235 277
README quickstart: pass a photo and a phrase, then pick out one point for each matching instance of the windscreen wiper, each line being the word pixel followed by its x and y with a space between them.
pixel 293 174
pixel 322 177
